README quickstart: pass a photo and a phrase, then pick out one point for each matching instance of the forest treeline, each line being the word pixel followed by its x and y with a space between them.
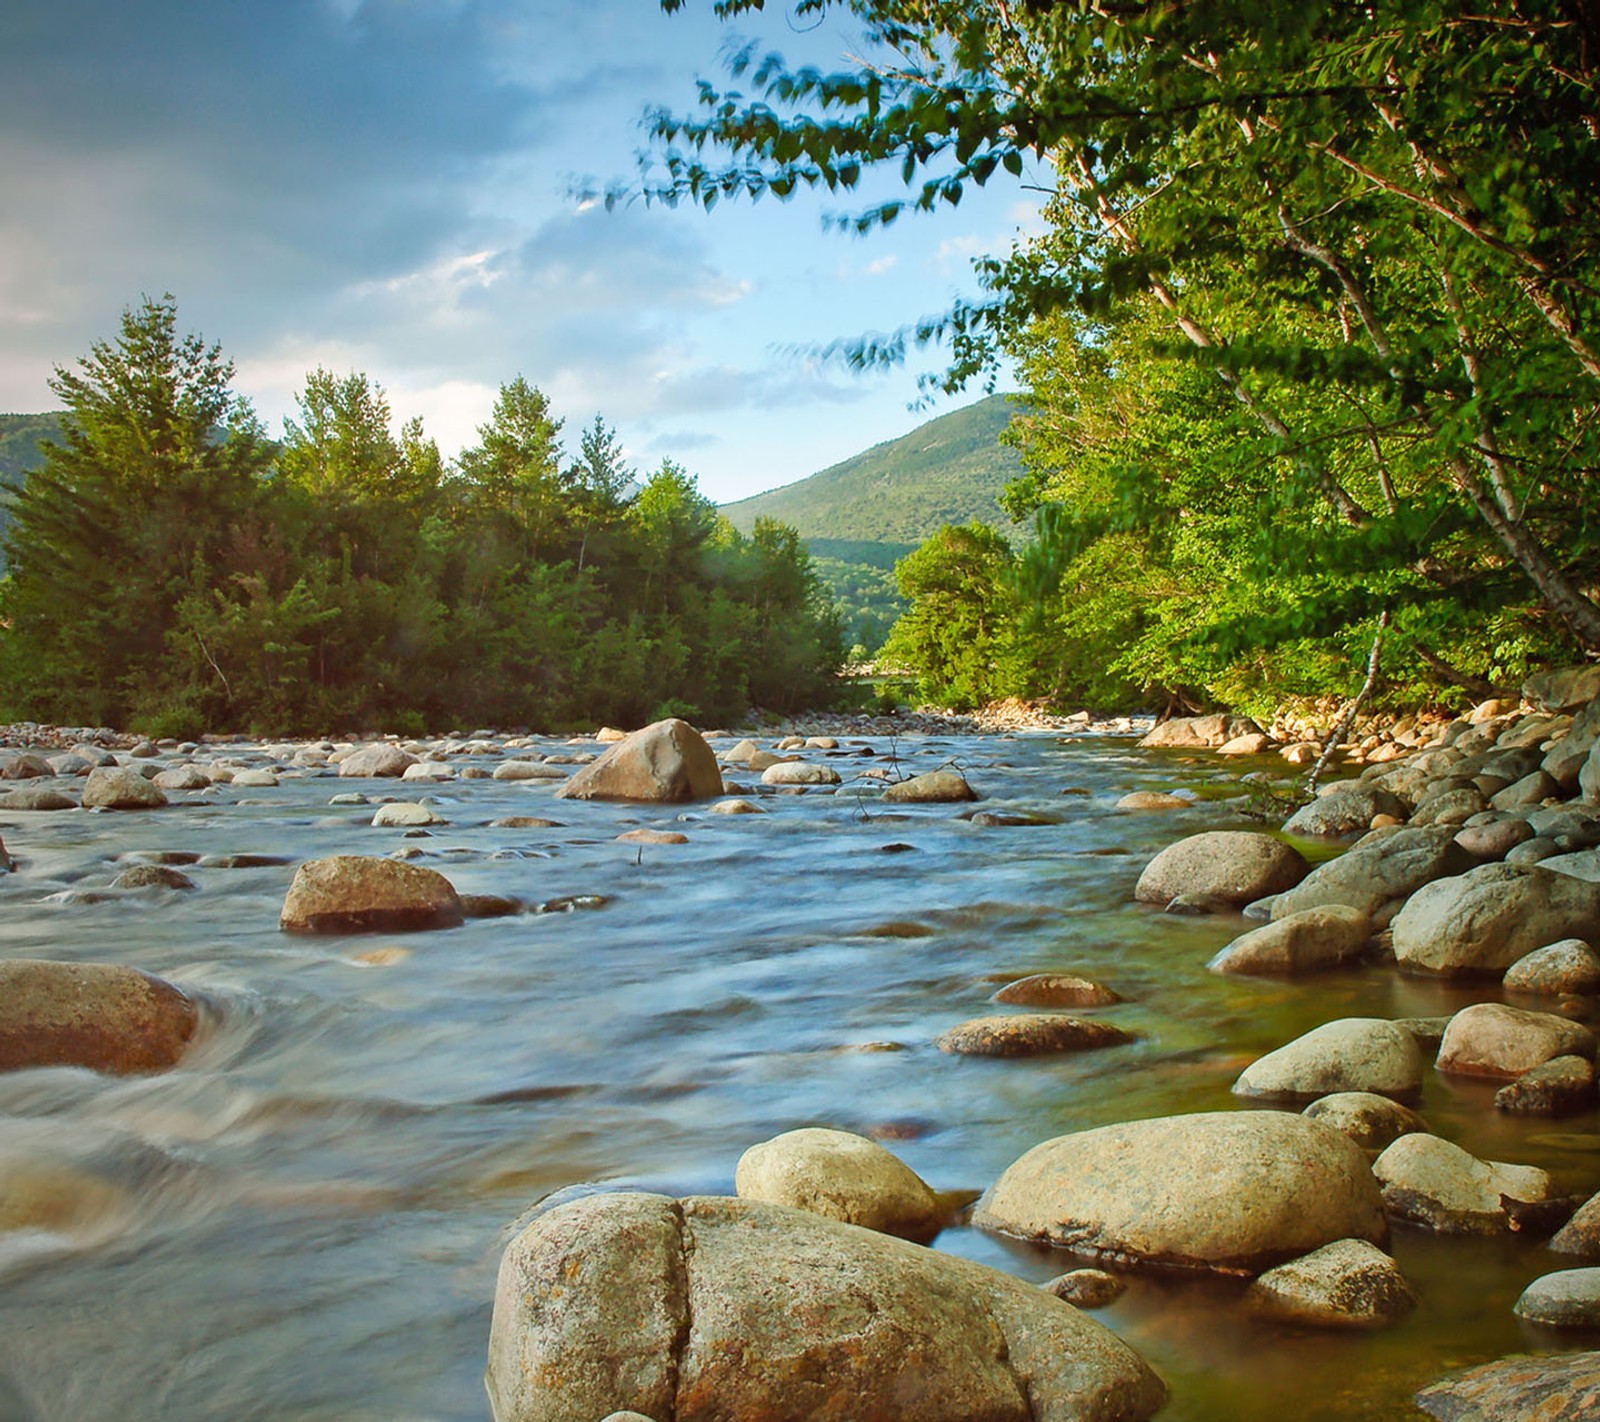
pixel 173 568
pixel 1309 342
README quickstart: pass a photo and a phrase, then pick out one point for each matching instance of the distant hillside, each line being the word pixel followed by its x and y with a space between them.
pixel 946 471
pixel 19 453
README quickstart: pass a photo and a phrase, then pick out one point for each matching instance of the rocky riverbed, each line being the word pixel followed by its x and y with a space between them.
pixel 300 1038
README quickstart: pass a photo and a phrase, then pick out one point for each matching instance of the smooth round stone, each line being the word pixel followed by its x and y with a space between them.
pixel 1347 1284
pixel 1221 1191
pixel 736 807
pixel 936 787
pixel 652 836
pixel 1492 1039
pixel 1581 1234
pixel 527 770
pixel 1027 1035
pixel 120 788
pixel 36 797
pixel 254 780
pixel 1349 1054
pixel 1373 1122
pixel 843 1177
pixel 1568 967
pixel 797 772
pixel 1569 1298
pixel 152 876
pixel 100 1016
pixel 1153 800
pixel 1299 943
pixel 1055 990
pixel 352 893
pixel 404 814
pixel 1236 865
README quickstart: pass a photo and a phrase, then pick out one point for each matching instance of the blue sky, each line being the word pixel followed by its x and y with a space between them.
pixel 389 186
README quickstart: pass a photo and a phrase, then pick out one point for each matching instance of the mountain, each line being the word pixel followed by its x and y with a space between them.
pixel 949 470
pixel 19 453
pixel 862 515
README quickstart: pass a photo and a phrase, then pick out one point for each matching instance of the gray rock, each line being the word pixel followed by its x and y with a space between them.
pixel 1532 789
pixel 404 814
pixel 1373 1122
pixel 1569 1298
pixel 668 761
pixel 25 766
pixel 798 772
pixel 1432 1182
pixel 1484 920
pixel 1346 810
pixel 36 797
pixel 352 893
pixel 1301 943
pixel 1563 690
pixel 1496 840
pixel 1493 1039
pixel 1450 807
pixel 1195 732
pixel 377 760
pixel 1385 866
pixel 706 1309
pixel 1562 1086
pixel 527 770
pixel 1347 1284
pixel 1532 851
pixel 1223 1191
pixel 1349 1054
pixel 120 788
pixel 1524 1388
pixel 1235 865
pixel 842 1177
pixel 1580 864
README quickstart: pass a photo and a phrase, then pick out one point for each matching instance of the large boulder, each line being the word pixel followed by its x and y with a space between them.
pixel 95 1015
pixel 707 1309
pixel 1386 866
pixel 381 760
pixel 1230 1192
pixel 117 787
pixel 1349 1054
pixel 1301 943
pixel 1235 866
pixel 1563 690
pixel 1192 732
pixel 356 893
pixel 1483 921
pixel 1569 1298
pixel 1492 1039
pixel 666 761
pixel 842 1177
pixel 1524 1388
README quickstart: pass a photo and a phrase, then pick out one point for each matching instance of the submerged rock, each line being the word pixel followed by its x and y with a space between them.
pixel 706 1309
pixel 1563 1388
pixel 1055 990
pixel 1086 1288
pixel 668 761
pixel 96 1015
pixel 1029 1034
pixel 1224 1191
pixel 1347 1284
pixel 1373 1122
pixel 351 893
pixel 1236 866
pixel 842 1177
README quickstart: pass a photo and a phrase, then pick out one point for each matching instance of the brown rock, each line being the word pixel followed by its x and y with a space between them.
pixel 1562 1086
pixel 119 788
pixel 1562 1388
pixel 1031 1034
pixel 1492 1039
pixel 94 1015
pixel 668 761
pixel 1055 990
pixel 351 893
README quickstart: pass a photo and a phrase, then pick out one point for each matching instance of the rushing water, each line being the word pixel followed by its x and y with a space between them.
pixel 304 1220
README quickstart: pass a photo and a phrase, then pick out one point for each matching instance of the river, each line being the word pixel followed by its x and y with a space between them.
pixel 303 1221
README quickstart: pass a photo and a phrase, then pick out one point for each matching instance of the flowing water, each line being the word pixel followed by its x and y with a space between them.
pixel 303 1221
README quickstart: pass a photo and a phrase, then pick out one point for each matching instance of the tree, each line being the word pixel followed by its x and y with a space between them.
pixel 159 467
pixel 1370 225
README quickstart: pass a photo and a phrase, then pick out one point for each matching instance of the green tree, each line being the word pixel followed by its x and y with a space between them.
pixel 159 468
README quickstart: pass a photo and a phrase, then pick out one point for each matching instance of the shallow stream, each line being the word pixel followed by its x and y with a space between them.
pixel 303 1221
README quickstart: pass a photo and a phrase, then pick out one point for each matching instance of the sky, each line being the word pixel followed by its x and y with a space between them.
pixel 397 187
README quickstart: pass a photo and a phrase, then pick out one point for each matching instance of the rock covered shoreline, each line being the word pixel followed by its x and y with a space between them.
pixel 1354 1163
